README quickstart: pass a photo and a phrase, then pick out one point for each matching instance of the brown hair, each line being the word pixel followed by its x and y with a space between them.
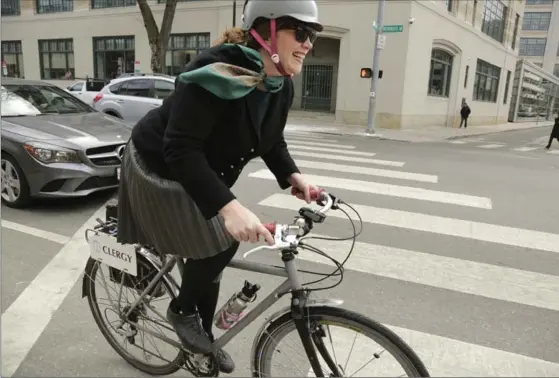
pixel 239 36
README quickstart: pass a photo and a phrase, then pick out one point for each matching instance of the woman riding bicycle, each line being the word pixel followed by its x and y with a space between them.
pixel 230 106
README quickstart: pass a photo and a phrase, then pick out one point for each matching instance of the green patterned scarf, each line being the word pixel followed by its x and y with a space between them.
pixel 231 82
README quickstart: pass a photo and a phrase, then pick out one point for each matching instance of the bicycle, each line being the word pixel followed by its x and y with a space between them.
pixel 309 317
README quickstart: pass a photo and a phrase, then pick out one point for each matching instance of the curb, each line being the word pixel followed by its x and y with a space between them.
pixel 496 132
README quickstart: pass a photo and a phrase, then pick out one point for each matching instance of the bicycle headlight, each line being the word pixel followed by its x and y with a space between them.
pixel 48 154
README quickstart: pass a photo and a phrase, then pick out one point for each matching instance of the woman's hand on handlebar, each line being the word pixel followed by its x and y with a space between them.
pixel 243 224
pixel 301 188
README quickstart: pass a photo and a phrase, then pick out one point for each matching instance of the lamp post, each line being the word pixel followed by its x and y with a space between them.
pixel 234 12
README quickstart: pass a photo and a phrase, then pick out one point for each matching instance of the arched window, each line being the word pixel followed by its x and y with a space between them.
pixel 440 73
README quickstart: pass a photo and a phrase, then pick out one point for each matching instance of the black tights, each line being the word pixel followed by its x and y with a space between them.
pixel 200 286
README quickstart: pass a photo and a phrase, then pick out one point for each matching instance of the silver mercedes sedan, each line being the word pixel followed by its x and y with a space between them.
pixel 55 145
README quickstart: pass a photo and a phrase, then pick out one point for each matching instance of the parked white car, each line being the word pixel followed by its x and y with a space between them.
pixel 86 90
pixel 130 98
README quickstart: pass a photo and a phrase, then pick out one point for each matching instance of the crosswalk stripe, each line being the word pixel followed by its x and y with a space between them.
pixel 493 233
pixel 458 142
pixel 332 150
pixel 372 187
pixel 347 158
pixel 320 165
pixel 554 152
pixel 321 144
pixel 307 137
pixel 486 280
pixel 491 146
pixel 446 357
pixel 303 133
pixel 525 149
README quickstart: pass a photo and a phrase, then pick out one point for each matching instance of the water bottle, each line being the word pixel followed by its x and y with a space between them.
pixel 232 310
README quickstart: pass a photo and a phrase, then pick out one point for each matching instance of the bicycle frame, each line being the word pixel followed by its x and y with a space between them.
pixel 292 284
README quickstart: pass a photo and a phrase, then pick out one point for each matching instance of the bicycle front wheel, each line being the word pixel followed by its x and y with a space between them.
pixel 333 329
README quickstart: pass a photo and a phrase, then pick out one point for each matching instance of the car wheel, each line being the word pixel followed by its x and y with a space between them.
pixel 114 114
pixel 15 189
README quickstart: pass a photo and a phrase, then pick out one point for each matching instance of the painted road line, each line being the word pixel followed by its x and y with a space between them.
pixel 51 236
pixel 320 144
pixel 445 357
pixel 486 280
pixel 347 158
pixel 525 149
pixel 331 150
pixel 493 233
pixel 27 317
pixel 491 146
pixel 553 152
pixel 372 187
pixel 367 171
pixel 308 137
pixel 458 142
pixel 303 133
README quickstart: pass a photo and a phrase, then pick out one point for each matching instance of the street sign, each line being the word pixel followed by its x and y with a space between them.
pixel 381 42
pixel 393 28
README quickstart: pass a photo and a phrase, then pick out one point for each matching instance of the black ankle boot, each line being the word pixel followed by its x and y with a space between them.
pixel 189 329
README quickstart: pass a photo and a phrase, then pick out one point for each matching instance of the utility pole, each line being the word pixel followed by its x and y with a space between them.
pixel 234 12
pixel 376 62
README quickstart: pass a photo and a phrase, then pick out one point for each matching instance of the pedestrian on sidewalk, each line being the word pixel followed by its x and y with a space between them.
pixel 464 114
pixel 229 107
pixel 554 132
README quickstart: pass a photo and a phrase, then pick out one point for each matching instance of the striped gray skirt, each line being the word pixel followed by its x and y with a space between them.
pixel 158 212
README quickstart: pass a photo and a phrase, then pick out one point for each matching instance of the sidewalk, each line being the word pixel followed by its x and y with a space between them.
pixel 426 134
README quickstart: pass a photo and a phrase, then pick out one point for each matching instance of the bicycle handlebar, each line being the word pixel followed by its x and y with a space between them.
pixel 288 235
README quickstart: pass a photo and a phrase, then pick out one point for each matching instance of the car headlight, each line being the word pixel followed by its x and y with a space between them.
pixel 48 154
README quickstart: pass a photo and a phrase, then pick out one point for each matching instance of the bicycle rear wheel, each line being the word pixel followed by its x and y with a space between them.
pixel 319 320
pixel 123 329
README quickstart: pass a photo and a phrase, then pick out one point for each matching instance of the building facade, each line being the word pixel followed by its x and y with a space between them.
pixel 436 52
pixel 539 36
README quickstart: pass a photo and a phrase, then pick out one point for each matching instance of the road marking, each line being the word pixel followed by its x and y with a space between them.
pixel 372 187
pixel 51 236
pixel 303 133
pixel 491 146
pixel 332 150
pixel 445 357
pixel 486 280
pixel 525 149
pixel 347 158
pixel 367 171
pixel 458 142
pixel 320 144
pixel 27 317
pixel 554 152
pixel 307 137
pixel 517 237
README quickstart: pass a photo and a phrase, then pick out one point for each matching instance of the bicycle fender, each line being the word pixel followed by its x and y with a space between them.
pixel 285 310
pixel 88 267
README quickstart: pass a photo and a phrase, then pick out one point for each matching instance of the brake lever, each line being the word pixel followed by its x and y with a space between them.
pixel 335 202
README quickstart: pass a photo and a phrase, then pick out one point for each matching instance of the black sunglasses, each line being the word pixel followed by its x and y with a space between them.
pixel 303 33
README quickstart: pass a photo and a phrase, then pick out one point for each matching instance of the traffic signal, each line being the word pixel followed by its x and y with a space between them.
pixel 366 73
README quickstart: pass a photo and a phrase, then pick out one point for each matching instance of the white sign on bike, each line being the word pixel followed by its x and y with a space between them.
pixel 118 174
pixel 105 248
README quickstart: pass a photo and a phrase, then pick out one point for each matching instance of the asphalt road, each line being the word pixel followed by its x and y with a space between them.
pixel 459 256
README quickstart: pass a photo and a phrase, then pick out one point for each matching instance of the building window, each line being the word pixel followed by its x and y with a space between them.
pixel 536 21
pixel 440 73
pixel 10 8
pixel 182 49
pixel 113 56
pixel 12 55
pixel 507 87
pixel 56 58
pixel 466 76
pixel 494 17
pixel 556 70
pixel 538 2
pixel 98 4
pixel 486 83
pixel 532 46
pixel 515 33
pixel 54 6
pixel 449 5
pixel 474 13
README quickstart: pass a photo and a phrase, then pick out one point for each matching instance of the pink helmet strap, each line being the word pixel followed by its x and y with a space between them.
pixel 273 49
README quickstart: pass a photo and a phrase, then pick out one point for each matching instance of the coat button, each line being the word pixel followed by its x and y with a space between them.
pixel 222 174
pixel 232 167
pixel 242 159
pixel 252 150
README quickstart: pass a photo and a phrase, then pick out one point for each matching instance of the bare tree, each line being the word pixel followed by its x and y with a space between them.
pixel 158 37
